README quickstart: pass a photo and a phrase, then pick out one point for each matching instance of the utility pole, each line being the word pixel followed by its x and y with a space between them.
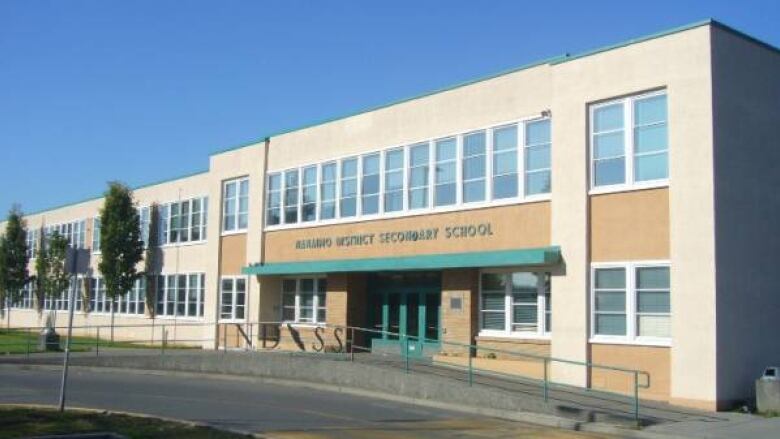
pixel 71 309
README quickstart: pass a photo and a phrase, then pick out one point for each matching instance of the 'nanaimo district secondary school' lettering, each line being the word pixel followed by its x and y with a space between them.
pixel 397 237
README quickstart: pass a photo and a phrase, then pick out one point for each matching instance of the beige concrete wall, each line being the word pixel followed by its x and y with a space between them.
pixel 746 99
pixel 680 64
pixel 651 359
pixel 233 254
pixel 630 226
pixel 511 227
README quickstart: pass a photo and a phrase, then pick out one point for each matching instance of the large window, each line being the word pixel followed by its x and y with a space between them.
pixel 181 221
pixel 235 205
pixel 180 294
pixel 75 232
pixel 631 301
pixel 232 298
pixel 516 303
pixel 629 142
pixel 303 300
pixel 504 164
pixel 133 302
pixel 32 243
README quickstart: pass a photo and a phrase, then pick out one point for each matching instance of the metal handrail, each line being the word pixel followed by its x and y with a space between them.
pixel 164 327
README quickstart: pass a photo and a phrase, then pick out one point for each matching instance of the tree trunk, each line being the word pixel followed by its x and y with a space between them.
pixel 112 322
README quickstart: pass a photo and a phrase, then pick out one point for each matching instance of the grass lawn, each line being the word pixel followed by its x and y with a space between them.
pixel 25 422
pixel 15 342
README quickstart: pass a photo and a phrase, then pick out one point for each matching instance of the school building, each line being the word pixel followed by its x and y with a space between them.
pixel 618 206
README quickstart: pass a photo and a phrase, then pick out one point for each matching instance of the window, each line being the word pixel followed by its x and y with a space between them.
pixel 303 300
pixel 232 298
pixel 132 302
pixel 328 191
pixel 291 196
pixel 394 180
pixel 515 303
pixel 474 167
pixel 370 185
pixel 505 162
pixel 96 234
pixel 349 187
pixel 419 175
pixel 537 157
pixel 274 200
pixel 27 297
pixel 631 302
pixel 629 141
pixel 31 240
pixel 235 205
pixel 446 174
pixel 309 195
pixel 180 294
pixel 509 163
pixel 182 221
pixel 143 223
pixel 75 232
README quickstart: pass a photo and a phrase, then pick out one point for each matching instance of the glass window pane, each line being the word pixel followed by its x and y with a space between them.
pixel 505 163
pixel 493 282
pixel 610 301
pixel 473 167
pixel 650 138
pixel 610 171
pixel 446 172
pixel 654 326
pixel 537 183
pixel 608 145
pixel 505 186
pixel 371 184
pixel 446 194
pixel 505 138
pixel 371 164
pixel 474 191
pixel 611 278
pixel 537 132
pixel 493 321
pixel 526 315
pixel 418 155
pixel 609 117
pixel 653 301
pixel 651 167
pixel 310 176
pixel 349 168
pixel 446 149
pixel 274 182
pixel 418 198
pixel 611 324
pixel 652 277
pixel 394 159
pixel 650 110
pixel 537 157
pixel 524 282
pixel 474 144
pixel 493 301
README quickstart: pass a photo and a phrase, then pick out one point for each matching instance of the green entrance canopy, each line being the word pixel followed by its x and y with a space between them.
pixel 498 258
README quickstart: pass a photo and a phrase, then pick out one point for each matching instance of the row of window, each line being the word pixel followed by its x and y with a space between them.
pixel 181 294
pixel 500 163
pixel 75 232
pixel 183 221
pixel 628 302
pixel 303 300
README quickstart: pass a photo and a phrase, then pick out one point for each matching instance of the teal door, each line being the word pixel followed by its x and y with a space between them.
pixel 410 316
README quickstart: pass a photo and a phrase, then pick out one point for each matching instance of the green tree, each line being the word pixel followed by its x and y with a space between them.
pixel 13 259
pixel 120 243
pixel 41 271
pixel 151 260
pixel 56 277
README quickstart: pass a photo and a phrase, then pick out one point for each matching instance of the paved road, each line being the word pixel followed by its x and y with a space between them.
pixel 277 411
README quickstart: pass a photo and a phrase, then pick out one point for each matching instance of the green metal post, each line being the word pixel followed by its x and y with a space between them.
pixel 546 385
pixel 406 352
pixel 471 368
pixel 636 399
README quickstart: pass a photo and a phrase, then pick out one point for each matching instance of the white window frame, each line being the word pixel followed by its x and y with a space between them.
pixel 163 287
pixel 165 221
pixel 631 336
pixel 234 294
pixel 237 210
pixel 542 331
pixel 316 305
pixel 459 205
pixel 628 145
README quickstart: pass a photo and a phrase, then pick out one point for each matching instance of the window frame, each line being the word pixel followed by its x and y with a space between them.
pixel 162 295
pixel 542 332
pixel 629 145
pixel 165 228
pixel 631 337
pixel 316 306
pixel 234 293
pixel 237 209
pixel 431 208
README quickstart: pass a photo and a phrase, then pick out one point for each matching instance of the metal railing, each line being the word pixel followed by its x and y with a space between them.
pixel 164 335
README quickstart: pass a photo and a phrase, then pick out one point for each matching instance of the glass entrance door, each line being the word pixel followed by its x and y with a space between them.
pixel 410 316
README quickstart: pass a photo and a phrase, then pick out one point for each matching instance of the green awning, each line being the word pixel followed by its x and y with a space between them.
pixel 498 258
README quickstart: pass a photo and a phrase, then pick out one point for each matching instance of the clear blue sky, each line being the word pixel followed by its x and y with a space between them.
pixel 92 91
